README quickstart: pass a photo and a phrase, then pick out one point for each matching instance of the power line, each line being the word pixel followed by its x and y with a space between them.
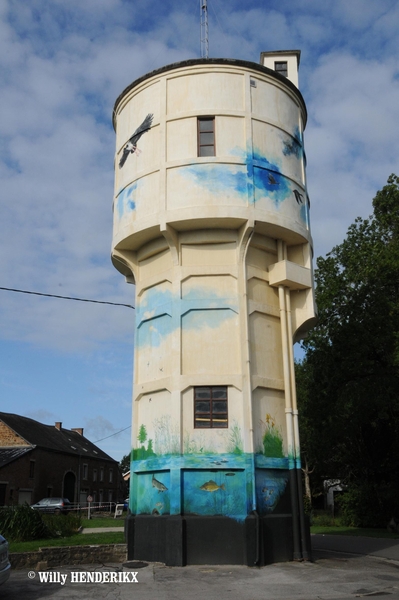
pixel 112 434
pixel 66 297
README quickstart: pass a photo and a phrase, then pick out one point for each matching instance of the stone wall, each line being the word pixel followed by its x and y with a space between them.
pixel 46 558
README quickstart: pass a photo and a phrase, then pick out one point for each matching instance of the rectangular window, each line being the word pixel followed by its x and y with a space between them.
pixel 94 474
pixel 85 471
pixel 31 469
pixel 111 475
pixel 281 67
pixel 206 136
pixel 210 407
pixel 102 474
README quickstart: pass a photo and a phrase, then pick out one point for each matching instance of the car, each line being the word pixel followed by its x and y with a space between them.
pixel 5 566
pixel 53 505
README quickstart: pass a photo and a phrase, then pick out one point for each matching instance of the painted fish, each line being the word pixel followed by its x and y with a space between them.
pixel 211 486
pixel 158 485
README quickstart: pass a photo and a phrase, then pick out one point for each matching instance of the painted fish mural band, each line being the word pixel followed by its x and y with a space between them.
pixel 211 486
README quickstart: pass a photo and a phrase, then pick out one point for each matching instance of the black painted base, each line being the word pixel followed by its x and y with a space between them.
pixel 196 540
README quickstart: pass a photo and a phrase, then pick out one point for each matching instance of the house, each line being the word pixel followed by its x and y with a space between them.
pixel 39 461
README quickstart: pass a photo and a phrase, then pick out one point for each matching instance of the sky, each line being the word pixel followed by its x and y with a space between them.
pixel 62 65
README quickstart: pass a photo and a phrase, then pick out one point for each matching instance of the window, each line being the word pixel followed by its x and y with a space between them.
pixel 206 136
pixel 210 407
pixel 111 475
pixel 102 474
pixel 85 471
pixel 31 469
pixel 94 474
pixel 281 67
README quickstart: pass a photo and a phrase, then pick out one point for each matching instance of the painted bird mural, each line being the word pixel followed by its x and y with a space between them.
pixel 298 196
pixel 131 146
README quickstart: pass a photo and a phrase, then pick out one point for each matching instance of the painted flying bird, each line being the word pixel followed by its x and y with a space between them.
pixel 298 196
pixel 131 146
pixel 271 179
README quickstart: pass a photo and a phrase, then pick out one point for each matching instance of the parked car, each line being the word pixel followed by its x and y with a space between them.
pixel 53 505
pixel 5 566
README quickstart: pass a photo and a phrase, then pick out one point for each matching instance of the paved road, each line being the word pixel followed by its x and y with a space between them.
pixel 337 573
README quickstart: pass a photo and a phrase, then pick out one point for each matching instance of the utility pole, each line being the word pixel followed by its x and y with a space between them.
pixel 204 29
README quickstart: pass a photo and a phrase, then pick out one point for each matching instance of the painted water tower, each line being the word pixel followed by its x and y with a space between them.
pixel 211 224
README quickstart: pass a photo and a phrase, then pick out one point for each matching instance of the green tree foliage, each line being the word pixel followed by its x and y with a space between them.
pixel 348 382
pixel 124 464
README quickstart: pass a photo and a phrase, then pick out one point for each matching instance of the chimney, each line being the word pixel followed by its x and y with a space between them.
pixel 78 430
pixel 58 425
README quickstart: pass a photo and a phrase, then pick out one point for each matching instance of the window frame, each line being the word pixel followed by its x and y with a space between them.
pixel 216 420
pixel 200 145
pixel 281 71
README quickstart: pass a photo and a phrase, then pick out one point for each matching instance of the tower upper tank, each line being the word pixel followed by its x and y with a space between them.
pixel 219 143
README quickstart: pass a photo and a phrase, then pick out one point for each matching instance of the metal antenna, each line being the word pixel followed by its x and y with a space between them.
pixel 204 29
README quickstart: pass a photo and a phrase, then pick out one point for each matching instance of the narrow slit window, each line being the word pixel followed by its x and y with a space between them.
pixel 281 67
pixel 210 407
pixel 206 136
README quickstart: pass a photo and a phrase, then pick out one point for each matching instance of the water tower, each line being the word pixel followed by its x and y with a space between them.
pixel 211 224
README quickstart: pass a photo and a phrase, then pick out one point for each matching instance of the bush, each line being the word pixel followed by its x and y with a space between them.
pixel 325 518
pixel 368 505
pixel 22 524
pixel 62 525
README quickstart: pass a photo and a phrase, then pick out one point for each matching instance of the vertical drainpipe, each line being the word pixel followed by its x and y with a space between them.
pixel 306 553
pixel 288 410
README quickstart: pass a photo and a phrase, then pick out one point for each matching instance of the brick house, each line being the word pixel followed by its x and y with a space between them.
pixel 39 461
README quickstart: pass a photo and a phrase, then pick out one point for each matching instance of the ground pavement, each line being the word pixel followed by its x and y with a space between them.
pixel 343 568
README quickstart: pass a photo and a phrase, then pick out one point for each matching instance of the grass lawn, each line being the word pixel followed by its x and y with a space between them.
pixel 103 522
pixel 79 539
pixel 357 531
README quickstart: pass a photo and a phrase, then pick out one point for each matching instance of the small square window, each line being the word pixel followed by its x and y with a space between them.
pixel 206 136
pixel 210 407
pixel 281 67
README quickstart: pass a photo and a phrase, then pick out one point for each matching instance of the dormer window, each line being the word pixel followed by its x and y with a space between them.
pixel 281 67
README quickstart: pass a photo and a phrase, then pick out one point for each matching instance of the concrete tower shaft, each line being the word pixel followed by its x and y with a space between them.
pixel 211 222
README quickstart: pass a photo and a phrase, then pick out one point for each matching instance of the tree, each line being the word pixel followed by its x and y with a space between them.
pixel 124 464
pixel 348 382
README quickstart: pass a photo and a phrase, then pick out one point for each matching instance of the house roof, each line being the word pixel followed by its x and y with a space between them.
pixel 7 455
pixel 49 437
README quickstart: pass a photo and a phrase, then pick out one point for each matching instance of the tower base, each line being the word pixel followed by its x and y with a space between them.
pixel 198 540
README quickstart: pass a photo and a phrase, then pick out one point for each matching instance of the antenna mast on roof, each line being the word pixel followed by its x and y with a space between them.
pixel 204 29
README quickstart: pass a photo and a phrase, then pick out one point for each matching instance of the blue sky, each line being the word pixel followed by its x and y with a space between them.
pixel 62 66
